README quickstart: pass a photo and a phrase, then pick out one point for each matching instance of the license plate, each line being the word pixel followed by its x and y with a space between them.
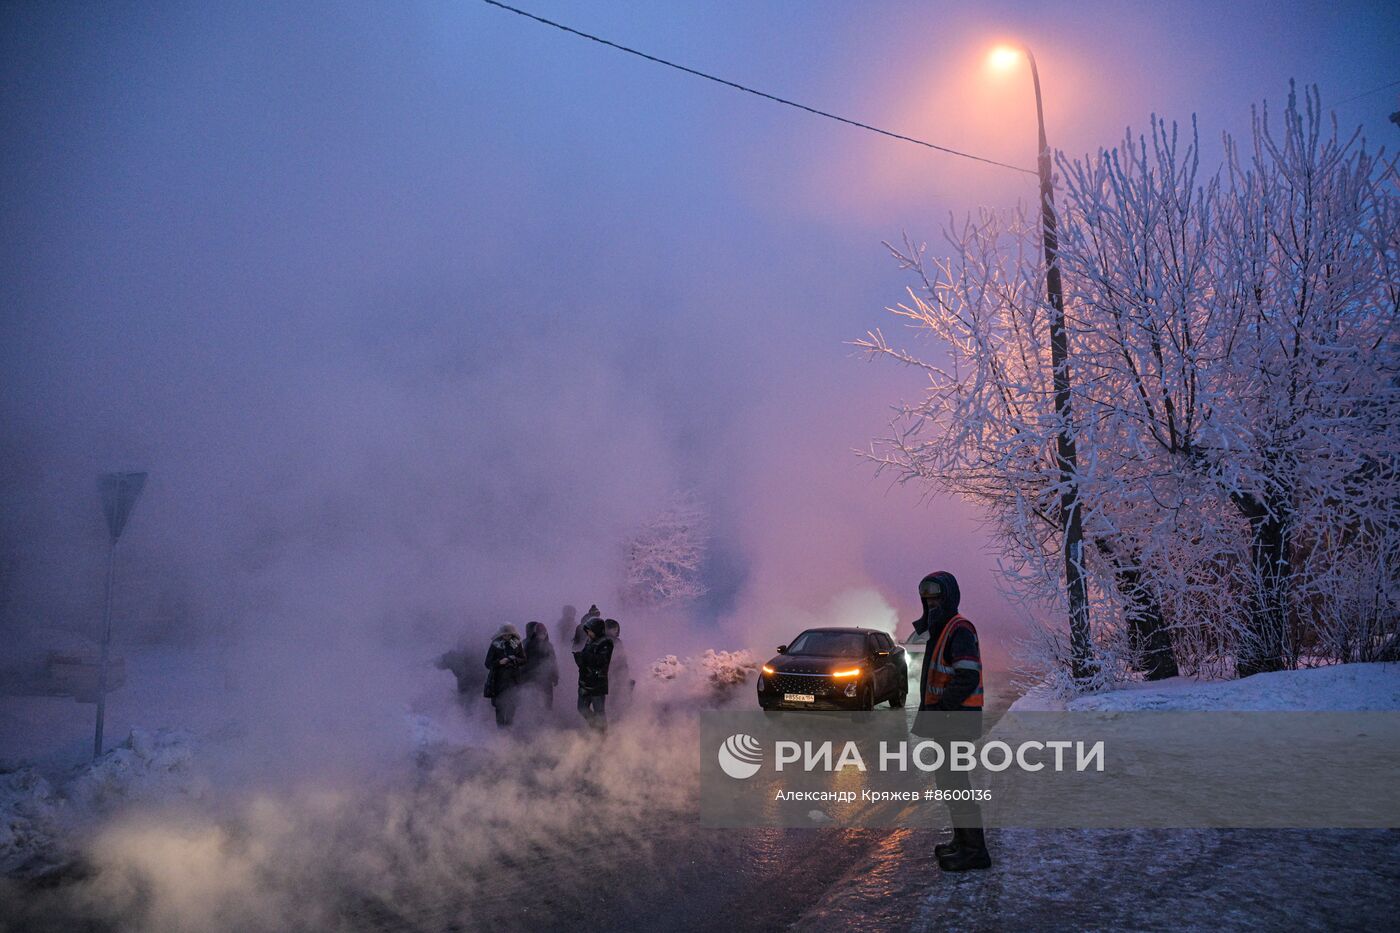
pixel 799 698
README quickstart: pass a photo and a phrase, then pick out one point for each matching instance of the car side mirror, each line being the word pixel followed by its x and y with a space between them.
pixel 883 654
pixel 782 649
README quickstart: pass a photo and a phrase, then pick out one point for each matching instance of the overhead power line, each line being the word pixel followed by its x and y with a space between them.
pixel 1366 93
pixel 748 90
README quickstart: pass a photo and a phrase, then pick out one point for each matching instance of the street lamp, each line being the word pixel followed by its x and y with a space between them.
pixel 1004 58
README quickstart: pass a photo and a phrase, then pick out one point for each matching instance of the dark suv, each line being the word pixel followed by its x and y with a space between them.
pixel 835 668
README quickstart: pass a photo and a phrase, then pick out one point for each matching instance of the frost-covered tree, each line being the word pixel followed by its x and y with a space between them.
pixel 1239 341
pixel 1236 370
pixel 662 560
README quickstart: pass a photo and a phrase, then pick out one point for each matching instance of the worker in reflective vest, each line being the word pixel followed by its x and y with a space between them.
pixel 951 682
pixel 952 673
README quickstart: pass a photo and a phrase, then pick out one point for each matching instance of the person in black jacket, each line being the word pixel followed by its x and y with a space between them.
pixel 541 670
pixel 593 662
pixel 580 638
pixel 951 683
pixel 504 659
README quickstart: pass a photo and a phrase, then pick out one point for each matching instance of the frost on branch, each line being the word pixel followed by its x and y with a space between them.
pixel 663 559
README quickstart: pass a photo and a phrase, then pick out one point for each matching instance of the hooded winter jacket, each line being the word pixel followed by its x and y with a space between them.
pixel 502 677
pixel 593 663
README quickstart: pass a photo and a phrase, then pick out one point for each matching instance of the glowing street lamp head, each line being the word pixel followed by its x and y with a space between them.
pixel 1004 58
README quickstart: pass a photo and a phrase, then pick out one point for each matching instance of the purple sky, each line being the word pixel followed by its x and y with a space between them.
pixel 411 309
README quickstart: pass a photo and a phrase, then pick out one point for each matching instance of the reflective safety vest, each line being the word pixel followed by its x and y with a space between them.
pixel 940 673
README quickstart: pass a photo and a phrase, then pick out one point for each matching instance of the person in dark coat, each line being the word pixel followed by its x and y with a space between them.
pixel 459 661
pixel 593 662
pixel 541 670
pixel 504 660
pixel 456 662
pixel 580 639
pixel 951 683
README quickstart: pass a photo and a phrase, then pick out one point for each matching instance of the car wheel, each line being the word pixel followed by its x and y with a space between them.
pixel 901 695
pixel 867 698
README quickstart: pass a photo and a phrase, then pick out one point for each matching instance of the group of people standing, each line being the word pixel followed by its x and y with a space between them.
pixel 517 669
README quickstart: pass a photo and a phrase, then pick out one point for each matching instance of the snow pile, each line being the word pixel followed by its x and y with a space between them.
pixel 147 766
pixel 1338 687
pixel 726 669
pixel 667 668
pixel 37 819
pixel 713 677
pixel 29 822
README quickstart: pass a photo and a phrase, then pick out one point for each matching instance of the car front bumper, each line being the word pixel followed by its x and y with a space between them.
pixel 827 692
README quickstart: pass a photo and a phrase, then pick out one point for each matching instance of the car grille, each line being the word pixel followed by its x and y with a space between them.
pixel 815 684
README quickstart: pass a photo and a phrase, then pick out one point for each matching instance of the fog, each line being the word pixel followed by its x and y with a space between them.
pixel 413 311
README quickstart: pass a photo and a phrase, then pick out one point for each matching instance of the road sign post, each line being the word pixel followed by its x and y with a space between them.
pixel 119 493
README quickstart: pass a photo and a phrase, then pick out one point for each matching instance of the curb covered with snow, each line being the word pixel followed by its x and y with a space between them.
pixel 1338 687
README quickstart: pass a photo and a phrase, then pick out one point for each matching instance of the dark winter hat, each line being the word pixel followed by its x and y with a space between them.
pixel 943 586
pixel 612 626
pixel 594 626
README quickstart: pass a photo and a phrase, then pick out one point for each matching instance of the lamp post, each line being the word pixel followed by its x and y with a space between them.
pixel 1066 457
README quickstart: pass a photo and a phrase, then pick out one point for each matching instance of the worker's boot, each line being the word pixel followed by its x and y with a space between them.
pixel 959 840
pixel 971 854
pixel 945 849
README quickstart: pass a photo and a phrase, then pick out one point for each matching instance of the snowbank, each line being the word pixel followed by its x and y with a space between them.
pixel 36 819
pixel 29 822
pixel 1338 687
pixel 147 766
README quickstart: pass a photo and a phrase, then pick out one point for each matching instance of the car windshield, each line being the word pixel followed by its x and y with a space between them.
pixel 829 644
